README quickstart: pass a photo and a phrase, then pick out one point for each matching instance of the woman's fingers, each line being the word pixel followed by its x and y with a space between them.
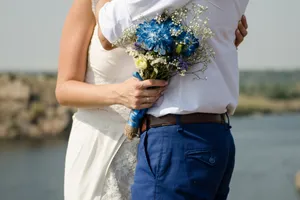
pixel 151 83
pixel 143 106
pixel 152 92
pixel 146 102
pixel 146 93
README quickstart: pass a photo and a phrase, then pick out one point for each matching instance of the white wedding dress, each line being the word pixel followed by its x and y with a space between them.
pixel 100 162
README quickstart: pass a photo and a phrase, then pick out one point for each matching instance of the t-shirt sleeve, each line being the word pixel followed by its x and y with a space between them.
pixel 117 15
pixel 113 19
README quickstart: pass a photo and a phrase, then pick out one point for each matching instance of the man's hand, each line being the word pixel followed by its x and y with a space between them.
pixel 241 31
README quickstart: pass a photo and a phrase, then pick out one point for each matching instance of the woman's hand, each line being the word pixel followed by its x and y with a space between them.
pixel 137 94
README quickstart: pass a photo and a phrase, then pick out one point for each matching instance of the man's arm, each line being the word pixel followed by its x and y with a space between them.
pixel 104 42
pixel 114 17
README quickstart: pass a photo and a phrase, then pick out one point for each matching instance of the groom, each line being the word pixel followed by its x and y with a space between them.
pixel 186 149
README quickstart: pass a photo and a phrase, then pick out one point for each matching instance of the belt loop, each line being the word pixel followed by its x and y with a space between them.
pixel 144 121
pixel 228 119
pixel 178 121
pixel 147 123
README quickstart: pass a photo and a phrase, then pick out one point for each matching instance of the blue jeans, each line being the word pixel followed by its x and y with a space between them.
pixel 184 162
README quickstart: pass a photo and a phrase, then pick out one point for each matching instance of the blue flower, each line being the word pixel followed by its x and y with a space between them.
pixel 172 27
pixel 183 65
pixel 138 47
pixel 155 36
pixel 191 43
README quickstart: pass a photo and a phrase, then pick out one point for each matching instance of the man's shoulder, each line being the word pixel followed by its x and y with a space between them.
pixel 149 8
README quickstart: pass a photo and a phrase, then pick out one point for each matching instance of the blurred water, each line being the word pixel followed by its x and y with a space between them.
pixel 268 156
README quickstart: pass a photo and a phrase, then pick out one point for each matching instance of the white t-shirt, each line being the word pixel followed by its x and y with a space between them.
pixel 219 92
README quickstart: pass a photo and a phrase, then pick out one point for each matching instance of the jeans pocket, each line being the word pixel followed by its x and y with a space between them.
pixel 203 156
pixel 199 165
pixel 143 163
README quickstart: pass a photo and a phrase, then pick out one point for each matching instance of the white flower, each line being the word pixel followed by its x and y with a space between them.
pixel 159 60
pixel 141 63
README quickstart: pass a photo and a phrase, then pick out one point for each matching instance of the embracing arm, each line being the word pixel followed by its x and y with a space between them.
pixel 104 42
pixel 114 17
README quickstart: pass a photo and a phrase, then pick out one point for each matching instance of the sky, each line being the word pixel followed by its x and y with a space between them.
pixel 30 33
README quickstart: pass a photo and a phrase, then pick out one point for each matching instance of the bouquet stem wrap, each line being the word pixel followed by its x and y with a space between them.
pixel 135 117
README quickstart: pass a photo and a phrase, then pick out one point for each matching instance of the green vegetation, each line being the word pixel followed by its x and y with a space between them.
pixel 269 92
pixel 271 84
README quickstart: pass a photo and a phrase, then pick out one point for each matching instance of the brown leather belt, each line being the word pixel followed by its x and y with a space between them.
pixel 150 121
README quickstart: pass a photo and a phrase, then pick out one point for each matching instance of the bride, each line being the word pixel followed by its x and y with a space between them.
pixel 100 162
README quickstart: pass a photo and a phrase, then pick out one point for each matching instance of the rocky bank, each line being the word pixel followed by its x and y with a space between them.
pixel 28 107
pixel 29 110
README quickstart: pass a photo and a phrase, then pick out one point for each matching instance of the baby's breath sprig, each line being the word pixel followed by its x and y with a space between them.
pixel 128 37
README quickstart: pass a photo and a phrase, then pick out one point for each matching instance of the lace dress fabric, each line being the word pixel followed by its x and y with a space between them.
pixel 119 177
pixel 120 173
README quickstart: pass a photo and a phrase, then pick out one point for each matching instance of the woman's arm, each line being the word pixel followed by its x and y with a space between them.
pixel 75 39
pixel 71 89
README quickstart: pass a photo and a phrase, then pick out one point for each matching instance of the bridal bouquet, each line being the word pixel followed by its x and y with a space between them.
pixel 166 46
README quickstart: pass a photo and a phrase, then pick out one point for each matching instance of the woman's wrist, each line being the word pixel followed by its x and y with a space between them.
pixel 116 93
pixel 113 94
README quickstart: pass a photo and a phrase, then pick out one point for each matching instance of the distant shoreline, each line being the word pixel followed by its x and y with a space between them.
pixel 29 110
pixel 261 106
pixel 245 69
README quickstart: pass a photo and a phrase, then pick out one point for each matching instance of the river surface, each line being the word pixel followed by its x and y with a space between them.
pixel 268 156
